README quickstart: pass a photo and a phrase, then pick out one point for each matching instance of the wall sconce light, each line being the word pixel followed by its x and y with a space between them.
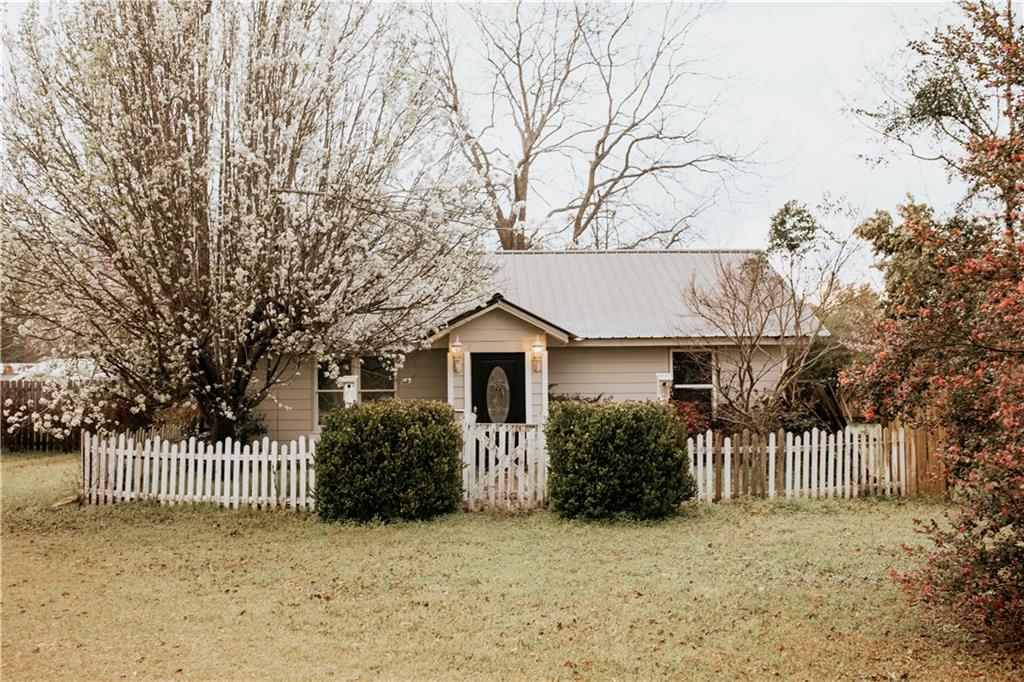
pixel 538 355
pixel 456 351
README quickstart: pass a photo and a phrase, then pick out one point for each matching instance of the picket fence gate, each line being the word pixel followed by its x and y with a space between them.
pixel 888 461
pixel 265 474
pixel 504 466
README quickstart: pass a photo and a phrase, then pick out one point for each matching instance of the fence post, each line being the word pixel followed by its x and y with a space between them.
pixel 789 465
pixel 813 492
pixel 727 473
pixel 771 466
pixel 716 455
pixel 709 470
pixel 701 445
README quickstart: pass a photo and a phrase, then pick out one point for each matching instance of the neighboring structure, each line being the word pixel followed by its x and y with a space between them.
pixel 563 323
pixel 50 369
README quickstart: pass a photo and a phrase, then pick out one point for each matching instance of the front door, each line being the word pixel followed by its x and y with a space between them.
pixel 499 387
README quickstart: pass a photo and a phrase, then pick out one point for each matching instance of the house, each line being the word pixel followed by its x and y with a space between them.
pixel 609 324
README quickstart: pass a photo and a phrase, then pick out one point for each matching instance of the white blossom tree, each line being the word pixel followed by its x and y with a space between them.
pixel 195 193
pixel 583 120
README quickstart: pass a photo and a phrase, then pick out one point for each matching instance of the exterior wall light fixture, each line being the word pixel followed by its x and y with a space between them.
pixel 538 355
pixel 456 351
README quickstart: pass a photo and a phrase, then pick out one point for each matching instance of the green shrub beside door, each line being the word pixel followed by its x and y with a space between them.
pixel 387 460
pixel 625 459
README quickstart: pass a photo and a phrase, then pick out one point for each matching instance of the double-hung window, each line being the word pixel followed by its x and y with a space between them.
pixel 330 395
pixel 376 382
pixel 692 378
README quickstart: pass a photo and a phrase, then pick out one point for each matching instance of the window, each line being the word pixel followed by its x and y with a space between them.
pixel 329 393
pixel 376 382
pixel 691 378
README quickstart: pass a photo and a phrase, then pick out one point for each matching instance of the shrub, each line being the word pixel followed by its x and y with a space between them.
pixel 696 417
pixel 617 459
pixel 389 460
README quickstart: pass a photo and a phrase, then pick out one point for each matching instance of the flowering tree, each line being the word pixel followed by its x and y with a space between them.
pixel 950 349
pixel 960 104
pixel 195 193
pixel 950 353
pixel 588 109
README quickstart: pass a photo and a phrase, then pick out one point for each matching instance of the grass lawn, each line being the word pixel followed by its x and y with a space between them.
pixel 737 591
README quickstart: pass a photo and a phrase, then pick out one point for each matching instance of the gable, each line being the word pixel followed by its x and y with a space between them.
pixel 502 315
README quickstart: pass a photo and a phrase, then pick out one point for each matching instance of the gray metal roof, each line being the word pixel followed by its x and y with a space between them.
pixel 611 294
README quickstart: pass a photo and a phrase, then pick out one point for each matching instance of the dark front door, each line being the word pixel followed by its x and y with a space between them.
pixel 499 387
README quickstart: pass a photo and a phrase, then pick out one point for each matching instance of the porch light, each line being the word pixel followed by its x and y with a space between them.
pixel 456 351
pixel 538 355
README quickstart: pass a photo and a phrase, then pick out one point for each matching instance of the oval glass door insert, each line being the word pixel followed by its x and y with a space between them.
pixel 498 396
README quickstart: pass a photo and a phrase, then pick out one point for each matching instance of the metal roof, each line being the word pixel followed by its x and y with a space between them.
pixel 611 294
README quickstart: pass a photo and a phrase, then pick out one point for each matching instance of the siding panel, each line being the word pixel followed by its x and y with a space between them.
pixel 618 373
pixel 424 376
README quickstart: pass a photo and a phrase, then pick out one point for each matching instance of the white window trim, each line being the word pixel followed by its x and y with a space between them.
pixel 714 362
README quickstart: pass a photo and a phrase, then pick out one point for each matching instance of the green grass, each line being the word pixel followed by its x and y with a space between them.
pixel 746 591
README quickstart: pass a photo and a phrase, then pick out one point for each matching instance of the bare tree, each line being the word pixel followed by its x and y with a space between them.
pixel 767 311
pixel 586 120
pixel 196 193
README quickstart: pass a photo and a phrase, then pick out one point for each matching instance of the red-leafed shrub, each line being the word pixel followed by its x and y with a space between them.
pixel 951 352
pixel 695 416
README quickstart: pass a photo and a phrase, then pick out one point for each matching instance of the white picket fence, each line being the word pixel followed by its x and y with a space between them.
pixel 815 464
pixel 262 474
pixel 504 466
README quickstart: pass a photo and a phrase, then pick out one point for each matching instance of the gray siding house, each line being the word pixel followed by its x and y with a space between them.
pixel 558 323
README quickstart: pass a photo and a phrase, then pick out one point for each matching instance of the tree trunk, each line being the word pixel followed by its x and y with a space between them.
pixel 217 426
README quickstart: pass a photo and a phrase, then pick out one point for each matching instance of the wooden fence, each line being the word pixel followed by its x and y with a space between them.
pixel 262 474
pixel 504 466
pixel 26 393
pixel 887 461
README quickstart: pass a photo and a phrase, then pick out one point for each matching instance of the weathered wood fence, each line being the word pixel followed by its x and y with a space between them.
pixel 262 474
pixel 887 461
pixel 26 394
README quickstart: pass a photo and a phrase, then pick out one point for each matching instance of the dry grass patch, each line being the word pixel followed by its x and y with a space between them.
pixel 743 591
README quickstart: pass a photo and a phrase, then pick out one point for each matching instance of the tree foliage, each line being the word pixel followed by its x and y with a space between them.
pixel 195 192
pixel 950 353
pixel 950 349
pixel 961 104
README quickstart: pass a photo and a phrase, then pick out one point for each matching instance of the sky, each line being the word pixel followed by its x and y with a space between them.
pixel 790 72
pixel 797 68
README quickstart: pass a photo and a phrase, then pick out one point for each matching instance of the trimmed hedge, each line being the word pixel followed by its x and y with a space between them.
pixel 623 459
pixel 389 460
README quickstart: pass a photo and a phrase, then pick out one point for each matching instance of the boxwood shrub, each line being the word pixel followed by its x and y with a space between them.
pixel 625 459
pixel 389 460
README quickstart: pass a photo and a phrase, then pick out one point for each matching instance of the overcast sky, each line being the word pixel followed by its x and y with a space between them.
pixel 792 69
pixel 797 67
